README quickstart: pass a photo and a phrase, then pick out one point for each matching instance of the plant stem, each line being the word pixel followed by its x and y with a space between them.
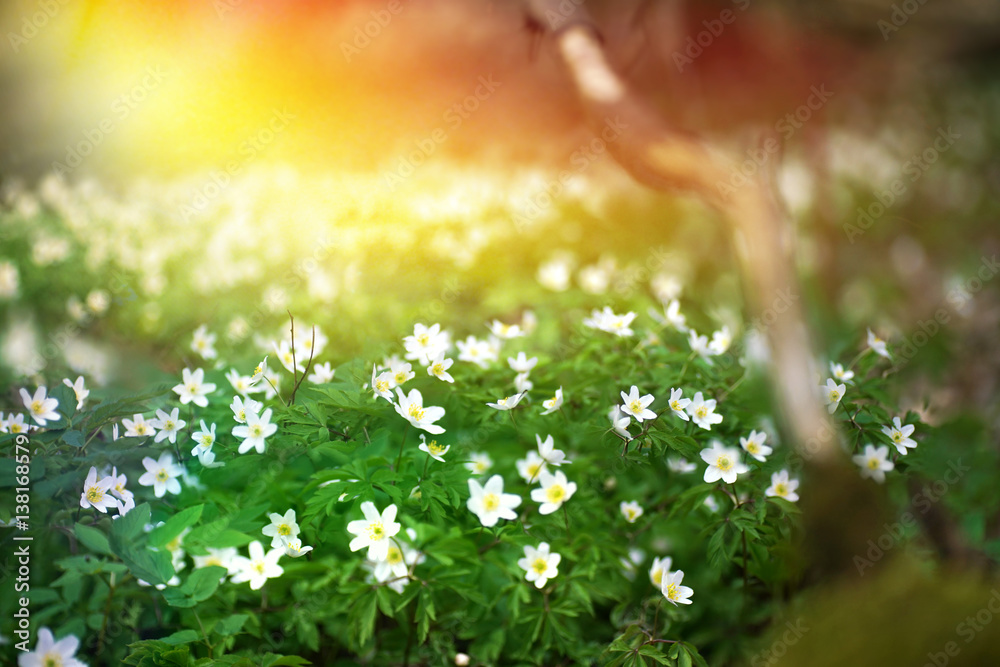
pixel 399 459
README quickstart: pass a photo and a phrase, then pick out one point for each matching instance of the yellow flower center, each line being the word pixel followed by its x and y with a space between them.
pixel 540 565
pixel 256 431
pixel 52 659
pixel 36 407
pixel 752 447
pixel 213 560
pixel 423 339
pixel 701 413
pixel 395 555
pixel 672 592
pixel 873 464
pixel 435 448
pixel 257 371
pixel 480 466
pixel 416 411
pixel 834 395
pixel 375 531
pixel 635 406
pixel 555 493
pixel 723 463
pixel 162 476
pixel 192 388
pixel 675 406
pixel 896 436
pixel 491 502
pixel 140 429
pixel 657 576
pixel 630 513
pixel 15 428
pixel 284 529
pixel 400 377
pixel 259 566
pixel 437 369
pixel 169 425
pixel 781 489
pixel 382 386
pixel 95 494
pixel 206 439
pixel 534 469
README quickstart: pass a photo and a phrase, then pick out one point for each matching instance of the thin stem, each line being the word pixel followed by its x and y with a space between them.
pixel 295 365
pixel 276 392
pixel 399 458
pixel 205 635
pixel 566 518
pixel 312 351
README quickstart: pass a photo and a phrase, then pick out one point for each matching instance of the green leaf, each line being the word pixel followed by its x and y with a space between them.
pixel 231 625
pixel 73 438
pixel 181 637
pixel 174 526
pixel 130 526
pixel 92 538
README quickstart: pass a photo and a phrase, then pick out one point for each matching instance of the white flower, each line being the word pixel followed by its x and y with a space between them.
pixel 620 422
pixel 702 412
pixel 96 492
pixel 255 431
pixel 224 557
pixel 607 320
pixel 554 403
pixel 522 384
pixel 521 364
pixel 374 531
pixel 833 393
pixel 877 345
pixel 699 345
pixel 193 388
pixel 242 384
pixel 674 317
pixel 530 467
pixel 433 449
pixel 555 274
pixel 293 548
pixel 874 463
pixel 8 280
pixel 479 352
pixel 672 589
pixel 594 279
pixel 539 564
pixel 117 487
pixel 382 384
pixel 40 406
pixel 439 366
pixel 98 301
pixel 138 427
pixel 508 403
pixel 680 465
pixel 721 340
pixel 258 372
pixel 782 487
pixel 505 331
pixel 259 567
pixel 401 372
pixel 124 507
pixel 555 490
pixel 547 450
pixel 162 475
pixel 630 510
pixel 637 407
pixel 411 408
pixel 479 463
pixel 309 350
pixel 723 463
pixel 204 438
pixel 281 527
pixel 900 435
pixel 204 343
pixel 490 503
pixel 322 373
pixel 288 358
pixel 462 659
pixel 754 445
pixel 394 569
pixel 81 392
pixel 661 566
pixel 167 425
pixel 242 407
pixel 426 343
pixel 839 372
pixel 51 653
pixel 678 404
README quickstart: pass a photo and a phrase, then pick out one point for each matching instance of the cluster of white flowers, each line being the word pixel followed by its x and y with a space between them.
pixel 390 561
pixel 669 582
pixel 606 320
pixel 104 492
